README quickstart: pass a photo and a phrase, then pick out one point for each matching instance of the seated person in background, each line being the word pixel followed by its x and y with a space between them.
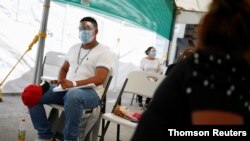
pixel 86 62
pixel 189 51
pixel 149 64
pixel 210 87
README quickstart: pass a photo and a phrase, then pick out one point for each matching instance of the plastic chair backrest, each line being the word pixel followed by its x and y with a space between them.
pixel 143 83
pixel 53 61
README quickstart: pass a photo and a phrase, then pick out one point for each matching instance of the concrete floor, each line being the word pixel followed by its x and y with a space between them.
pixel 12 110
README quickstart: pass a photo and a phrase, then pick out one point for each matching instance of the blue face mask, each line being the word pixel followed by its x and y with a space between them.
pixel 152 54
pixel 86 36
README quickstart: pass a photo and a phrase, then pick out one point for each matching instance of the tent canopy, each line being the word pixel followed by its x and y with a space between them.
pixel 155 15
pixel 191 11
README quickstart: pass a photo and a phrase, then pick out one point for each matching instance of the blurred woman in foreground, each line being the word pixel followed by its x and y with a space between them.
pixel 212 86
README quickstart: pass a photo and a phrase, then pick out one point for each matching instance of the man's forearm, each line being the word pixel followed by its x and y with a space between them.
pixel 62 75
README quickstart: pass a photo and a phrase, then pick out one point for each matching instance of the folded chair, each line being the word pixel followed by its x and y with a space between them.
pixel 164 69
pixel 139 82
pixel 89 126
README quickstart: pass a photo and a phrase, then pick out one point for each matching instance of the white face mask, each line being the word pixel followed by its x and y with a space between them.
pixel 86 36
pixel 152 54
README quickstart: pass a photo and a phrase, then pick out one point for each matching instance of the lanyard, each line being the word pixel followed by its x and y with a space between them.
pixel 79 61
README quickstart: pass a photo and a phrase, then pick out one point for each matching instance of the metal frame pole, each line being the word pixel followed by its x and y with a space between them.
pixel 40 50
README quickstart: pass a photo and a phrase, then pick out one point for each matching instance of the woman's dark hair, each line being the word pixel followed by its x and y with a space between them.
pixel 148 50
pixel 90 19
pixel 226 27
pixel 189 51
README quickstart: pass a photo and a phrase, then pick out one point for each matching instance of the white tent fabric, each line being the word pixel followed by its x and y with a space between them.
pixel 20 22
pixel 193 5
pixel 191 11
pixel 189 17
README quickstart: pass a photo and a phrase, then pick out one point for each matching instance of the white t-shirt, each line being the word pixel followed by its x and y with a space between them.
pixel 148 65
pixel 83 62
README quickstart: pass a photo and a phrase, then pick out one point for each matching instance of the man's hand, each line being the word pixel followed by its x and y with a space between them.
pixel 66 83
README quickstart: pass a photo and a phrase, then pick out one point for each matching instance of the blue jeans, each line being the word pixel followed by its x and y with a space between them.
pixel 74 101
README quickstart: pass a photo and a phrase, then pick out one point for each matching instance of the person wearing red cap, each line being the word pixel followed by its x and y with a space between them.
pixel 86 62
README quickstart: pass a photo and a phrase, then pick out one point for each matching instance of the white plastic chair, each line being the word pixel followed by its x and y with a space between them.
pixel 92 117
pixel 52 64
pixel 139 82
pixel 163 71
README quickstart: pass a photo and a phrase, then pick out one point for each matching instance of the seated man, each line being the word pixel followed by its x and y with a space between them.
pixel 86 62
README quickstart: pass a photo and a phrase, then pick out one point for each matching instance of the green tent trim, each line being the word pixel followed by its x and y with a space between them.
pixel 154 15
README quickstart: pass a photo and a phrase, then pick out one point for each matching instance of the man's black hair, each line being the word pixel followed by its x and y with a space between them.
pixel 90 19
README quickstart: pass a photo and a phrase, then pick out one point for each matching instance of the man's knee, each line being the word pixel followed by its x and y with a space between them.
pixel 72 95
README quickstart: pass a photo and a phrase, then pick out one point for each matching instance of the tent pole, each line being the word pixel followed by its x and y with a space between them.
pixel 171 36
pixel 40 49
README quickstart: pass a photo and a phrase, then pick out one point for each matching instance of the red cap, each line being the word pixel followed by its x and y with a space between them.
pixel 32 95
